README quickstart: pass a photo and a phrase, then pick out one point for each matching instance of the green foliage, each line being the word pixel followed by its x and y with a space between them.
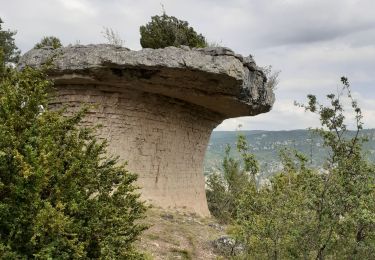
pixel 8 49
pixel 306 213
pixel 272 220
pixel 164 31
pixel 61 197
pixel 49 41
pixel 2 63
pixel 224 188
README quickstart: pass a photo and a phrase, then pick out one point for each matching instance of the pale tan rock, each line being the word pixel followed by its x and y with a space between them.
pixel 158 107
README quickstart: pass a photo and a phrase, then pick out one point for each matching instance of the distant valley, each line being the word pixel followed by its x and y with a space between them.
pixel 267 144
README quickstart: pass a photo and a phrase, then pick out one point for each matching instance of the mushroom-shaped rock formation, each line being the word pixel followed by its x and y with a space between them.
pixel 158 107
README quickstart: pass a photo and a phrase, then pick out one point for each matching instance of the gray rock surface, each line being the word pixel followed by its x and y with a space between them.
pixel 157 108
pixel 228 246
pixel 214 77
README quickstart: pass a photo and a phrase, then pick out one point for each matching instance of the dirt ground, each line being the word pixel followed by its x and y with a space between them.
pixel 179 235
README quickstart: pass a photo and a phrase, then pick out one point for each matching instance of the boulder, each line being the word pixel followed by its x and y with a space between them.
pixel 157 107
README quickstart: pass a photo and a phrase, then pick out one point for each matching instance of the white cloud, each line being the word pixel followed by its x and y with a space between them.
pixel 81 6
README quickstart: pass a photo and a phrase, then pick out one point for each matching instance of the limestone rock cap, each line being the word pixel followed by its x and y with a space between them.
pixel 214 78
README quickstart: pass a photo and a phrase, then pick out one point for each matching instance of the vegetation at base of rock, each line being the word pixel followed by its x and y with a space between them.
pixel 223 188
pixel 305 213
pixel 165 30
pixel 61 197
pixel 49 41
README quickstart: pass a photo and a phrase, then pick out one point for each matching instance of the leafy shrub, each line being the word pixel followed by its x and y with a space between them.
pixel 8 49
pixel 223 189
pixel 61 197
pixel 315 214
pixel 164 31
pixel 49 41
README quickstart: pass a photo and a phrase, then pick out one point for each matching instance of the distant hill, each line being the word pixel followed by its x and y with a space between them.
pixel 267 144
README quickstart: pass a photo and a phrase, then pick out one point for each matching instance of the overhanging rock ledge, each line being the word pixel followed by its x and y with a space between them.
pixel 158 107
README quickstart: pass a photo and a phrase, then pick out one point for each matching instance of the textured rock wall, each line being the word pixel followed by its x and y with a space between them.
pixel 163 139
pixel 158 107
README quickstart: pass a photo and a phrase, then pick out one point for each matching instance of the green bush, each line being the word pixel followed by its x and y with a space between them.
pixel 164 31
pixel 223 189
pixel 8 49
pixel 61 197
pixel 308 213
pixel 49 41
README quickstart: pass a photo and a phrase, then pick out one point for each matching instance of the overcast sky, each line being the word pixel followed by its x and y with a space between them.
pixel 312 42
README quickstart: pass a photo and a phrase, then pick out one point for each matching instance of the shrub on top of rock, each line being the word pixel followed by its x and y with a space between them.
pixel 166 30
pixel 49 41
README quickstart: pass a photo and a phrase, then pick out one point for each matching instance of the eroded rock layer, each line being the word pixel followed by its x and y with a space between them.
pixel 158 107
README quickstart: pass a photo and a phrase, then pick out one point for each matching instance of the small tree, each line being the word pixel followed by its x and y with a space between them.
pixel 8 48
pixel 315 214
pixel 49 41
pixel 164 31
pixel 272 221
pixel 345 203
pixel 223 189
pixel 61 197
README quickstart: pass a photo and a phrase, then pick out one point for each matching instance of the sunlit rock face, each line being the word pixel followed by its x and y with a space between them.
pixel 157 107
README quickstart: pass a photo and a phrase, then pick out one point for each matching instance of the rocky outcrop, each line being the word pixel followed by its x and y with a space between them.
pixel 158 107
pixel 227 246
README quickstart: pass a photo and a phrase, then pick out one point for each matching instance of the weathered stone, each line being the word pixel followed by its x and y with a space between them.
pixel 167 216
pixel 216 51
pixel 249 62
pixel 216 226
pixel 228 246
pixel 239 56
pixel 157 107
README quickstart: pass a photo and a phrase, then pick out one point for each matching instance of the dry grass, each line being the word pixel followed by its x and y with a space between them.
pixel 178 235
